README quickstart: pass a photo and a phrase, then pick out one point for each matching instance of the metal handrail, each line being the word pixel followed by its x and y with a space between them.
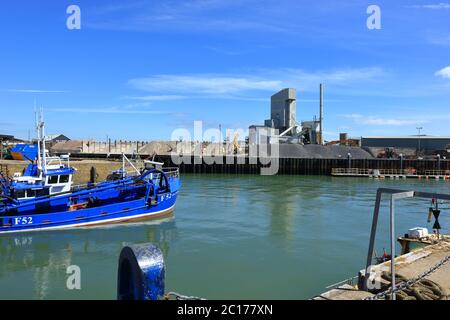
pixel 437 172
pixel 381 172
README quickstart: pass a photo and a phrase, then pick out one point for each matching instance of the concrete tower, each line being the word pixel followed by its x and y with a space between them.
pixel 283 111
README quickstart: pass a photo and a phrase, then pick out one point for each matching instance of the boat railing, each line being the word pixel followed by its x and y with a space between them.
pixel 172 172
pixel 58 160
pixel 83 186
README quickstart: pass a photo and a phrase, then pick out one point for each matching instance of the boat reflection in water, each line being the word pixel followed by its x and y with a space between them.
pixel 34 265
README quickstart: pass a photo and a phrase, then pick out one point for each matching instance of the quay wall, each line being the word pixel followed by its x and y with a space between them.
pixel 241 165
pixel 83 175
pixel 301 166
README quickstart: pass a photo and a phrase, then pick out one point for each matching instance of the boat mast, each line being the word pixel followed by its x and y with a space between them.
pixel 42 161
pixel 123 165
pixel 41 125
pixel 38 132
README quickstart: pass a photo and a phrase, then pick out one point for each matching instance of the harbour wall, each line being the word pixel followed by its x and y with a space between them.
pixel 84 168
pixel 301 166
pixel 241 165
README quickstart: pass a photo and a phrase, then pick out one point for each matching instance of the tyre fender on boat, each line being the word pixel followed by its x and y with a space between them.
pixel 141 273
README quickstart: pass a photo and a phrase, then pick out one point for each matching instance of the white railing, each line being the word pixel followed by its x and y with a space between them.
pixel 388 172
pixel 373 172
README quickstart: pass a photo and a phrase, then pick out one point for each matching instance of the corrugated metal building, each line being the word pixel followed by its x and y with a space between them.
pixel 426 143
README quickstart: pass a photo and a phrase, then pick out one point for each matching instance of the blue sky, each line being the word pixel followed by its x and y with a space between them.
pixel 140 69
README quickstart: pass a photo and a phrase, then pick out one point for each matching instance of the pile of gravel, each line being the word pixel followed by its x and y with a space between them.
pixel 158 147
pixel 313 151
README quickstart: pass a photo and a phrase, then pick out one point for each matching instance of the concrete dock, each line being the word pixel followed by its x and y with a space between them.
pixel 409 266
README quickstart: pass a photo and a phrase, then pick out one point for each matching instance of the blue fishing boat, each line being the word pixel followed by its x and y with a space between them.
pixel 44 198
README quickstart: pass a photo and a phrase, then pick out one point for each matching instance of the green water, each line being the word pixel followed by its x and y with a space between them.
pixel 232 237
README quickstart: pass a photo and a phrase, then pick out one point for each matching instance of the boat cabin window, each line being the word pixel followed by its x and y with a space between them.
pixel 31 193
pixel 58 179
pixel 42 192
pixel 64 178
pixel 20 194
pixel 53 179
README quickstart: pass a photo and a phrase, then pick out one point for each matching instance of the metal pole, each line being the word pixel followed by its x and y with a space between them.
pixel 419 144
pixel 38 133
pixel 419 129
pixel 321 114
pixel 401 163
pixel 349 157
pixel 393 247
pixel 123 165
pixel 44 155
pixel 373 233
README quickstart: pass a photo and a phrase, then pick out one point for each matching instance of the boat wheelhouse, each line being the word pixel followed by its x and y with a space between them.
pixel 55 177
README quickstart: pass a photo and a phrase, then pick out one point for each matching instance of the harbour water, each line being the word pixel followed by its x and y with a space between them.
pixel 232 236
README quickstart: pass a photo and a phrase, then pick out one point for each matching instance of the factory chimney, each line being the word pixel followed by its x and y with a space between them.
pixel 321 115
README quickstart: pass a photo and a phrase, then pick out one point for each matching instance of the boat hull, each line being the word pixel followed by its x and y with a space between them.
pixel 131 211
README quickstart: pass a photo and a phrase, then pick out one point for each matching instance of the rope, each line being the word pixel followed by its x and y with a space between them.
pixel 424 289
pixel 177 296
pixel 417 288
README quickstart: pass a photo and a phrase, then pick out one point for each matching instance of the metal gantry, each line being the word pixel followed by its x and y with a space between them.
pixel 394 195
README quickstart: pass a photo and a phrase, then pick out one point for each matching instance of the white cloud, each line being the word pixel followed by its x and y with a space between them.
pixel 352 116
pixel 186 16
pixel 390 122
pixel 113 110
pixel 441 40
pixel 444 73
pixel 380 121
pixel 159 98
pixel 260 80
pixel 35 91
pixel 203 84
pixel 436 6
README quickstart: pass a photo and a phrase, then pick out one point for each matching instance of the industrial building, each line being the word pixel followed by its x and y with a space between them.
pixel 8 139
pixel 283 110
pixel 283 124
pixel 423 143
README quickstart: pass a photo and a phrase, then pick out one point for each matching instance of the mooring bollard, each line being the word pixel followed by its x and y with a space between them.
pixel 141 273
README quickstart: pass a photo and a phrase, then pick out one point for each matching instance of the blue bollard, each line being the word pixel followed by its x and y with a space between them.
pixel 141 273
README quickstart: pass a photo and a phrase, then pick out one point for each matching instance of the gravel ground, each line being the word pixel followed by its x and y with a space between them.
pixel 313 151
